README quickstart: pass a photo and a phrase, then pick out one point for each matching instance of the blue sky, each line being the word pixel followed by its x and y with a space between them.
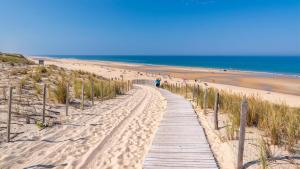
pixel 149 27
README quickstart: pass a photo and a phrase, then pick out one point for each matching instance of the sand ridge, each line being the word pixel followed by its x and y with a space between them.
pixel 97 136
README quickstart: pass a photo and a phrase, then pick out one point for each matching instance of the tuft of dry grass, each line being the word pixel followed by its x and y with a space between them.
pixel 279 122
pixel 60 90
pixel 38 88
pixel 37 77
pixel 14 59
pixel 264 153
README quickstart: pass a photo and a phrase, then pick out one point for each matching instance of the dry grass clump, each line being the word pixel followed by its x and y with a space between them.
pixel 264 153
pixel 103 88
pixel 14 59
pixel 38 88
pixel 18 71
pixel 279 122
pixel 41 69
pixel 60 90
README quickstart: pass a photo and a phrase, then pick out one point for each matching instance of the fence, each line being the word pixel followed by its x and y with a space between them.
pixel 143 81
pixel 249 125
pixel 20 106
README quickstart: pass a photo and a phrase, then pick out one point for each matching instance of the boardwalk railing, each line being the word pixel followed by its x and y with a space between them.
pixel 143 81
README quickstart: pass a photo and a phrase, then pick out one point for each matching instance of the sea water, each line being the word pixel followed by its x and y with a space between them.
pixel 289 65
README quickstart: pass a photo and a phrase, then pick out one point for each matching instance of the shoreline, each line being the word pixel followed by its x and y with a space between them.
pixel 175 66
pixel 277 89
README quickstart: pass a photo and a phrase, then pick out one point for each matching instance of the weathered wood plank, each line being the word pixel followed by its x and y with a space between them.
pixel 180 141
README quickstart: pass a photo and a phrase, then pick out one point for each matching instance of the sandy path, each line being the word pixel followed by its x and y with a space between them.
pixel 88 136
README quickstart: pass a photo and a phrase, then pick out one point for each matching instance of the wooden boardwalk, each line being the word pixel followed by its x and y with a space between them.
pixel 180 142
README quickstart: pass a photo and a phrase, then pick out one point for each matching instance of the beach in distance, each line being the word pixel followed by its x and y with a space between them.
pixel 286 87
pixel 150 84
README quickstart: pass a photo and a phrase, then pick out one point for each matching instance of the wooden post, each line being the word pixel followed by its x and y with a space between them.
pixel 44 103
pixel 101 85
pixel 205 101
pixel 244 109
pixel 109 89
pixel 115 88
pixel 82 95
pixel 127 85
pixel 67 99
pixel 198 90
pixel 176 87
pixel 193 91
pixel 9 113
pixel 92 92
pixel 216 108
pixel 4 93
pixel 185 90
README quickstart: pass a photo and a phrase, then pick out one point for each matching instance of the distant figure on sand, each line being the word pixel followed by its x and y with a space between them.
pixel 157 82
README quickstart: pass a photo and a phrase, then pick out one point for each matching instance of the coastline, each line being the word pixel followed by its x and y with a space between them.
pixel 176 66
pixel 278 89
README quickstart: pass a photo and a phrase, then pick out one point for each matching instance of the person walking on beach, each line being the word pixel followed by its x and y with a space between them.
pixel 157 82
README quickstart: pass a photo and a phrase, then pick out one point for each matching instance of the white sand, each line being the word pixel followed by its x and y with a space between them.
pixel 113 134
pixel 104 69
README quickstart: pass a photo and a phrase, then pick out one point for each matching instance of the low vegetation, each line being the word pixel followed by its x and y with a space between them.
pixel 280 123
pixel 14 59
pixel 28 92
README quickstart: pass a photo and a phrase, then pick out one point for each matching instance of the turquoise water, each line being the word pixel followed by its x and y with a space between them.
pixel 274 64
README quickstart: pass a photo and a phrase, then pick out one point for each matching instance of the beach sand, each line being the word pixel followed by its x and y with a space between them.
pixel 271 87
pixel 117 133
pixel 113 134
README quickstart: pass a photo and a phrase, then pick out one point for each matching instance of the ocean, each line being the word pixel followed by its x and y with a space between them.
pixel 289 65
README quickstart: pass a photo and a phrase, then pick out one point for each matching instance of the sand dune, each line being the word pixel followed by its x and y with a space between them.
pixel 112 134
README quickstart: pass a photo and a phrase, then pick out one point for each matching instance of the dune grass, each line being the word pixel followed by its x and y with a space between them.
pixel 279 122
pixel 14 59
pixel 60 90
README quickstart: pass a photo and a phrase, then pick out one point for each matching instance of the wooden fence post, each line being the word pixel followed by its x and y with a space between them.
pixel 243 118
pixel 67 99
pixel 198 90
pixel 92 92
pixel 102 95
pixel 9 113
pixel 205 101
pixel 109 89
pixel 194 92
pixel 115 88
pixel 4 93
pixel 82 95
pixel 185 90
pixel 44 103
pixel 128 85
pixel 216 108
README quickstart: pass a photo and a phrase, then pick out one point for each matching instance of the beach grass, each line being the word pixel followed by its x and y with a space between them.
pixel 14 59
pixel 280 123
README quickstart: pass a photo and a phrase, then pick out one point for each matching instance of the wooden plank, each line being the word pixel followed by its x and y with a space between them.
pixel 180 141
